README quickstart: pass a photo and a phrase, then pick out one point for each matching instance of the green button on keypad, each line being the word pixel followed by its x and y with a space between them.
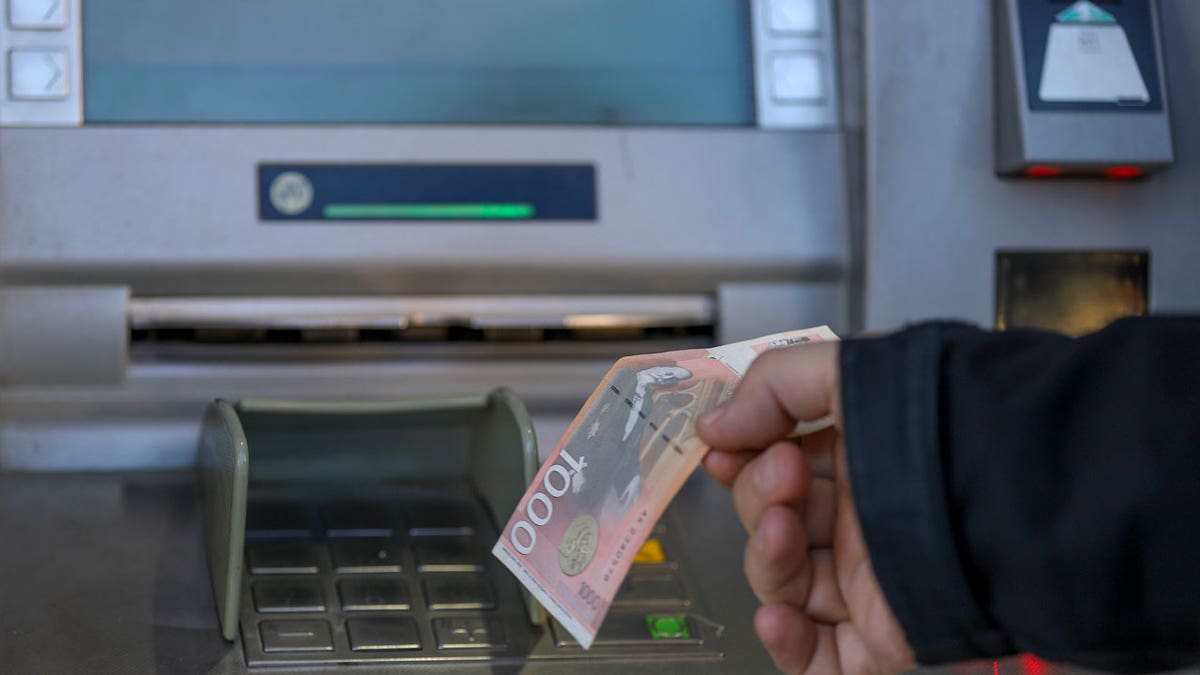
pixel 668 627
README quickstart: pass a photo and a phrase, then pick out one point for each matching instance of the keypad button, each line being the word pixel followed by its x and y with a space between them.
pixel 357 519
pixel 794 16
pixel 797 78
pixel 447 554
pixel 38 74
pixel 373 594
pixel 652 553
pixel 277 519
pixel 37 14
pixel 652 591
pixel 459 591
pixel 295 636
pixel 293 557
pixel 288 595
pixel 398 632
pixel 469 633
pixel 363 557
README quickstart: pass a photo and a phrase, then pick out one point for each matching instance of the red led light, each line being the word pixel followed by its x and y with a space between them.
pixel 1032 665
pixel 1043 171
pixel 995 668
pixel 1123 172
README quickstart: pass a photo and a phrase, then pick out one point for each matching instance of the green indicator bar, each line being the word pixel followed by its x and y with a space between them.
pixel 429 211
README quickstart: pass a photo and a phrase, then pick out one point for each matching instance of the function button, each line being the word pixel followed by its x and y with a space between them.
pixel 362 557
pixel 277 519
pixel 293 557
pixel 38 74
pixel 629 629
pixel 441 517
pixel 797 78
pixel 459 591
pixel 288 595
pixel 657 590
pixel 357 519
pixel 668 627
pixel 295 636
pixel 651 553
pixel 447 554
pixel 373 594
pixel 37 14
pixel 469 633
pixel 393 632
pixel 801 17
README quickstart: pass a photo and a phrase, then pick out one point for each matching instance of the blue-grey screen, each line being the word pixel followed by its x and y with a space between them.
pixel 606 62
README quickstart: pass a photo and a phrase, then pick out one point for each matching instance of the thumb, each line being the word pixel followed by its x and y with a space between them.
pixel 782 387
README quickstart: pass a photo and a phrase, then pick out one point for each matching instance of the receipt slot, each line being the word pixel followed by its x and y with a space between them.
pixel 1079 89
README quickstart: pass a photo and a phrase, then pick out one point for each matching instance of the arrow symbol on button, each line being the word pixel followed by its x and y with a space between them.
pixel 53 65
pixel 50 12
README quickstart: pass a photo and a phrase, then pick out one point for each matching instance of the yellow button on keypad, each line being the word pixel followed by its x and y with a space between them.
pixel 650 553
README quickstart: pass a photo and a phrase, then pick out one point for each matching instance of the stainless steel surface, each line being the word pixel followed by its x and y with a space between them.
pixel 936 211
pixel 682 212
pixel 172 210
pixel 63 335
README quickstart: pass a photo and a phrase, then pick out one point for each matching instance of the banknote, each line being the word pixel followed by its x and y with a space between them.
pixel 592 504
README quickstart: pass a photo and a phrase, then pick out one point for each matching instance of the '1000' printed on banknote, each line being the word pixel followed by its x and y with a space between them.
pixel 625 456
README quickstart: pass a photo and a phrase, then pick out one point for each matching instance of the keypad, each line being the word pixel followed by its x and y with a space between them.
pixel 358 579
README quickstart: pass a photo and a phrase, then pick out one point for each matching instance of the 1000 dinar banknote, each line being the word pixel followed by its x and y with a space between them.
pixel 592 504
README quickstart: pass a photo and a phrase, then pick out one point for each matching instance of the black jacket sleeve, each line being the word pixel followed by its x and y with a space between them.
pixel 1024 491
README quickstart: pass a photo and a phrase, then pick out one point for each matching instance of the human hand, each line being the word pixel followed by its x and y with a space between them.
pixel 823 610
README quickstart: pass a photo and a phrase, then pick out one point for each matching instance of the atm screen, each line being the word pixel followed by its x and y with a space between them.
pixel 617 62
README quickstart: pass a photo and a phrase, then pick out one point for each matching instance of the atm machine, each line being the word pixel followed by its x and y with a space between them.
pixel 343 217
pixel 303 208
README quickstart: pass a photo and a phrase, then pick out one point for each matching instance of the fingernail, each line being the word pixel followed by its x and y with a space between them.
pixel 711 417
pixel 764 475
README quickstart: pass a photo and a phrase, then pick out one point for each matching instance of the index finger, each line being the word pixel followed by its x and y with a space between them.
pixel 782 387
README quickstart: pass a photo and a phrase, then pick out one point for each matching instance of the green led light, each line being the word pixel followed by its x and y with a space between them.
pixel 429 211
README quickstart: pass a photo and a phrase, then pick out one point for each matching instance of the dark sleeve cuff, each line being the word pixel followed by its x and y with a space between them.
pixel 890 404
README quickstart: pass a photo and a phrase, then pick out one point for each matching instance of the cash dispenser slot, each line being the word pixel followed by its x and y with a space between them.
pixel 462 326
